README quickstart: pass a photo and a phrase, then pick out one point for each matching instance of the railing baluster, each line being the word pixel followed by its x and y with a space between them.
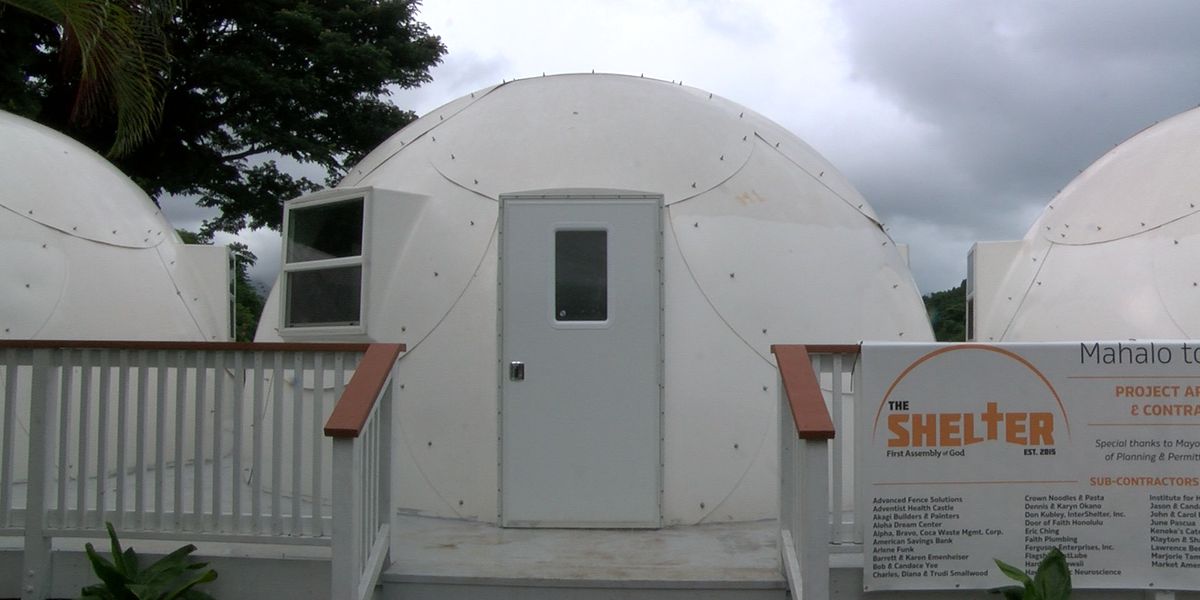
pixel 36 555
pixel 235 480
pixel 66 398
pixel 367 462
pixel 373 512
pixel 143 393
pixel 102 437
pixel 256 449
pixel 835 467
pixel 373 478
pixel 339 386
pixel 218 424
pixel 318 439
pixel 85 416
pixel 121 433
pixel 7 446
pixel 368 488
pixel 277 383
pixel 180 411
pixel 376 448
pixel 297 437
pixel 160 424
pixel 198 442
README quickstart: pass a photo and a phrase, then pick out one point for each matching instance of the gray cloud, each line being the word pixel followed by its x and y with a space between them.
pixel 1018 96
pixel 183 213
pixel 731 20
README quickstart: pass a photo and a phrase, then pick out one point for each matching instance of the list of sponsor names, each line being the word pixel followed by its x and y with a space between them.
pixel 1174 531
pixel 1074 523
pixel 1086 447
pixel 916 536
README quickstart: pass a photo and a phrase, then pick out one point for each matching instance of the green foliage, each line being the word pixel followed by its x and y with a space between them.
pixel 247 299
pixel 1051 582
pixel 249 82
pixel 112 58
pixel 948 313
pixel 173 576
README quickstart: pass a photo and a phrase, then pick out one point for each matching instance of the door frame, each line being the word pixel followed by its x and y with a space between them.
pixel 583 194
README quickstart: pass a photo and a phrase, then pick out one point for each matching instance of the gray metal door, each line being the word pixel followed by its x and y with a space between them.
pixel 581 360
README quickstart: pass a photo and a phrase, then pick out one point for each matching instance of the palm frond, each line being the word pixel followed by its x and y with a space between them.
pixel 122 57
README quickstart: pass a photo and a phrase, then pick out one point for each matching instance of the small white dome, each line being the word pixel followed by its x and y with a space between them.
pixel 1113 256
pixel 85 254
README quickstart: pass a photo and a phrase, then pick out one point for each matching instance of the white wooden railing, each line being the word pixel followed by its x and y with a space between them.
pixel 187 441
pixel 818 490
pixel 361 430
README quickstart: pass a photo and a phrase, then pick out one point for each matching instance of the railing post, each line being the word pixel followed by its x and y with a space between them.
pixel 813 519
pixel 385 459
pixel 43 400
pixel 806 430
pixel 347 519
pixel 787 460
pixel 788 475
pixel 860 496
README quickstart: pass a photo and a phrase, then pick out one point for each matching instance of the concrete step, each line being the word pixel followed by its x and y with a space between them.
pixel 451 559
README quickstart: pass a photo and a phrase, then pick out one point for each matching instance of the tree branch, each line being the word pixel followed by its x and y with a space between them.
pixel 240 155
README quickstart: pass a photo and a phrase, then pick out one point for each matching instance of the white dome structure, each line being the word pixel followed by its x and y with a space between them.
pixel 85 254
pixel 589 271
pixel 1113 256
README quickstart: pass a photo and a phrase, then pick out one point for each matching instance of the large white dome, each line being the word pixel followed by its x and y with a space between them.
pixel 85 254
pixel 763 241
pixel 1114 255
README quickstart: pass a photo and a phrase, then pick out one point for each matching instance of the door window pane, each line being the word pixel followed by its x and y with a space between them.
pixel 581 275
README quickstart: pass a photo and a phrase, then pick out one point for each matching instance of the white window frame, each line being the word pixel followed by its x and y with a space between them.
pixel 330 196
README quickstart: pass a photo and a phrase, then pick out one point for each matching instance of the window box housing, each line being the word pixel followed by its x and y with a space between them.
pixel 324 263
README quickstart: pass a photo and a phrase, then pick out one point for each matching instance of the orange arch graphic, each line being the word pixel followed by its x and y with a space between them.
pixel 956 347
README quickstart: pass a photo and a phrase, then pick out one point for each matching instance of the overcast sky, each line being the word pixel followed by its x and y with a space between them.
pixel 957 119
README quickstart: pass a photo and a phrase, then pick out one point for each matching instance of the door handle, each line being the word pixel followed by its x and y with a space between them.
pixel 516 371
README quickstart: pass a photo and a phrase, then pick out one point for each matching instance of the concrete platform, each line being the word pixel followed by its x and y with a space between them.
pixel 445 558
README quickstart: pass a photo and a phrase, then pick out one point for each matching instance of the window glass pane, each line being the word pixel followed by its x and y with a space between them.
pixel 324 297
pixel 324 231
pixel 581 275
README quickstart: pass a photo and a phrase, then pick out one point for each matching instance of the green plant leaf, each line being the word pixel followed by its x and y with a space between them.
pixel 171 565
pixel 131 561
pixel 1013 573
pixel 1053 577
pixel 117 553
pixel 1011 592
pixel 186 585
pixel 114 580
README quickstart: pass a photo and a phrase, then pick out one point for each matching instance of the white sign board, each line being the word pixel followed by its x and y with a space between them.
pixel 972 452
